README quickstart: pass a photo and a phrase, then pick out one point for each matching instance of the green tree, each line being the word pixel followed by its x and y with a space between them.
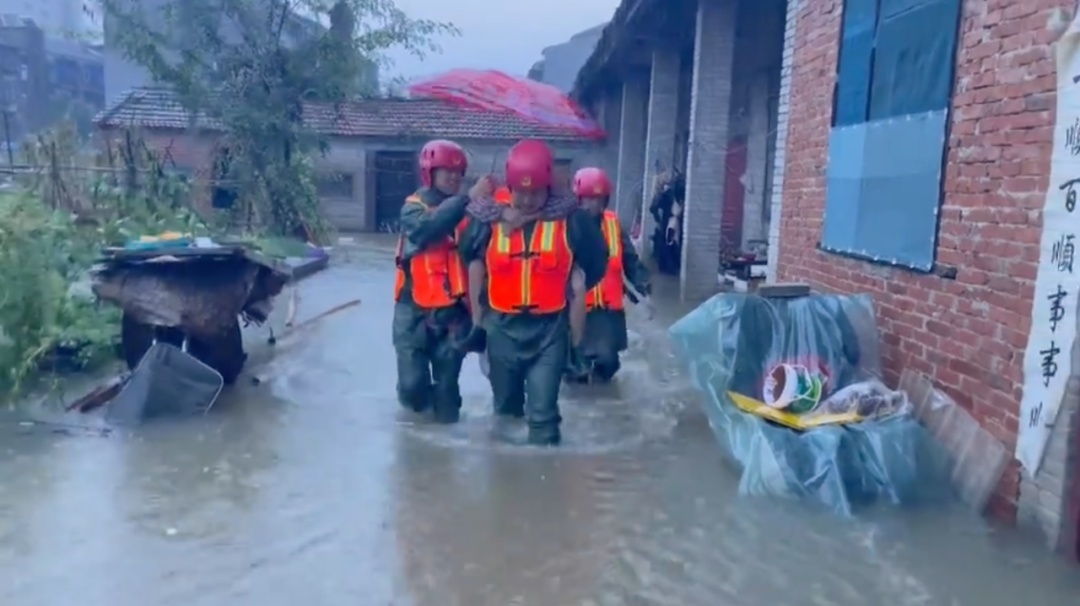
pixel 250 66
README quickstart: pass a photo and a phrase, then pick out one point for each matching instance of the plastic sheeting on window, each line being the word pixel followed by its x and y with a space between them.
pixel 853 80
pixel 811 355
pixel 855 63
pixel 914 57
pixel 847 150
pixel 892 213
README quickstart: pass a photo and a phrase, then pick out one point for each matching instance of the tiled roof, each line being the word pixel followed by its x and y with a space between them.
pixel 159 108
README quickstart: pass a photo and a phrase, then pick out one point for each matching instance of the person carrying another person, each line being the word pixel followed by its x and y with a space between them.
pixel 605 325
pixel 525 253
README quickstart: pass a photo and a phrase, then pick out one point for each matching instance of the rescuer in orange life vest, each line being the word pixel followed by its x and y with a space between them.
pixel 431 315
pixel 478 276
pixel 529 250
pixel 605 324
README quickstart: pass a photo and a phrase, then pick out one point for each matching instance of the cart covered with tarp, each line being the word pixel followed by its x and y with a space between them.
pixel 191 294
pixel 183 300
pixel 793 393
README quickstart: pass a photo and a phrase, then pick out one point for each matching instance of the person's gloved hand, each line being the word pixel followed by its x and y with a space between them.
pixel 650 309
pixel 474 341
pixel 483 188
pixel 577 364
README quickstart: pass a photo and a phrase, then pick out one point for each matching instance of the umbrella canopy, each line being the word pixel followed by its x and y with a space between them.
pixel 498 92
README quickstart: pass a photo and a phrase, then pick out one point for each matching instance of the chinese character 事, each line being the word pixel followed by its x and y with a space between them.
pixel 1063 253
pixel 1049 363
pixel 1035 415
pixel 1069 187
pixel 1057 310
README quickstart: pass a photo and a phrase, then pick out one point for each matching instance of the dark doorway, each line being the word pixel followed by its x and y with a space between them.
pixel 395 178
pixel 223 191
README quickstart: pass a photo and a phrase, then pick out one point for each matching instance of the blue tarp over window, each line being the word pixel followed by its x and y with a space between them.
pixel 855 62
pixel 895 76
pixel 914 59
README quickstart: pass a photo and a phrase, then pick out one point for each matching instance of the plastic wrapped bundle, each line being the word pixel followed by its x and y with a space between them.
pixel 793 396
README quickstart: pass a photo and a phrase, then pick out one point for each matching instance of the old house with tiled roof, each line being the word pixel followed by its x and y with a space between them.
pixel 371 163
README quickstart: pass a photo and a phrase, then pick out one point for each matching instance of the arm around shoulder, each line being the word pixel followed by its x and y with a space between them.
pixel 423 225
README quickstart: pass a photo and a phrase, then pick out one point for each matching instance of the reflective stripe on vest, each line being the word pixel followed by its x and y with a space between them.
pixel 529 279
pixel 438 275
pixel 608 294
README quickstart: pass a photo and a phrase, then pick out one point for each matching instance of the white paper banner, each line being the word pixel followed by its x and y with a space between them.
pixel 1048 358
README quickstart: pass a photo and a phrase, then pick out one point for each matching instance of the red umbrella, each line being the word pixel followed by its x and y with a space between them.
pixel 498 92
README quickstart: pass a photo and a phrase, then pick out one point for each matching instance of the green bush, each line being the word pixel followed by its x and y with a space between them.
pixel 42 254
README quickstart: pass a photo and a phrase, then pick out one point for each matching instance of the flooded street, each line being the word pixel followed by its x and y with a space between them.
pixel 312 488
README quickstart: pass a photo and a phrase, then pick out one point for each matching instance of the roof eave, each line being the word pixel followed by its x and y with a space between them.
pixel 607 47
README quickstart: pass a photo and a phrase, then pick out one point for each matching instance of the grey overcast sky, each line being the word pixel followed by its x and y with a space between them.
pixel 498 34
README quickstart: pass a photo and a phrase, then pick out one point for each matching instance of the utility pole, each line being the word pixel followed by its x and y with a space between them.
pixel 7 137
pixel 6 109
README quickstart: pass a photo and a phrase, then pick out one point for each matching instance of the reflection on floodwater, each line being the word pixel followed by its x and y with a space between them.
pixel 312 488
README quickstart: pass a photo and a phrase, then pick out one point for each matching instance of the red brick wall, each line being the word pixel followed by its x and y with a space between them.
pixel 969 334
pixel 183 151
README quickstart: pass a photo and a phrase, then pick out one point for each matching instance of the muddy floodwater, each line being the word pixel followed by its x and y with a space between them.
pixel 311 488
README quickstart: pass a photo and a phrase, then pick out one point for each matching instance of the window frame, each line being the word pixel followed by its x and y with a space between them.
pixel 935 267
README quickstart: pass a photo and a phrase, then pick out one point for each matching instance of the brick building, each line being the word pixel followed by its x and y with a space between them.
pixel 371 163
pixel 913 142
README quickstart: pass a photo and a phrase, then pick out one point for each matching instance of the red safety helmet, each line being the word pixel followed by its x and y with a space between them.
pixel 441 153
pixel 529 165
pixel 591 182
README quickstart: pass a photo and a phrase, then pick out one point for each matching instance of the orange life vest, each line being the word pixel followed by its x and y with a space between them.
pixel 529 277
pixel 608 294
pixel 438 275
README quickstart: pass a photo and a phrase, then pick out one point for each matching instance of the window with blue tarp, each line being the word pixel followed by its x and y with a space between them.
pixel 887 147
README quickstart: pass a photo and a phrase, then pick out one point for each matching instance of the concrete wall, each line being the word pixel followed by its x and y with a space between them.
pixel 967 332
pixel 633 122
pixel 710 113
pixel 791 24
pixel 194 155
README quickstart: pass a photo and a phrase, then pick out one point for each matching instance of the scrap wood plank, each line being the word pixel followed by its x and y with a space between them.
pixel 99 396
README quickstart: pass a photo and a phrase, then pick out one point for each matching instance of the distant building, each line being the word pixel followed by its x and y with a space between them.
pixel 23 77
pixel 369 166
pixel 536 72
pixel 561 62
pixel 45 78
pixel 54 17
pixel 76 76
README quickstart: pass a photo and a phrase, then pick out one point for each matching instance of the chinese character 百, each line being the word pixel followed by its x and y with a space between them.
pixel 1049 363
pixel 1057 310
pixel 1069 187
pixel 1063 253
